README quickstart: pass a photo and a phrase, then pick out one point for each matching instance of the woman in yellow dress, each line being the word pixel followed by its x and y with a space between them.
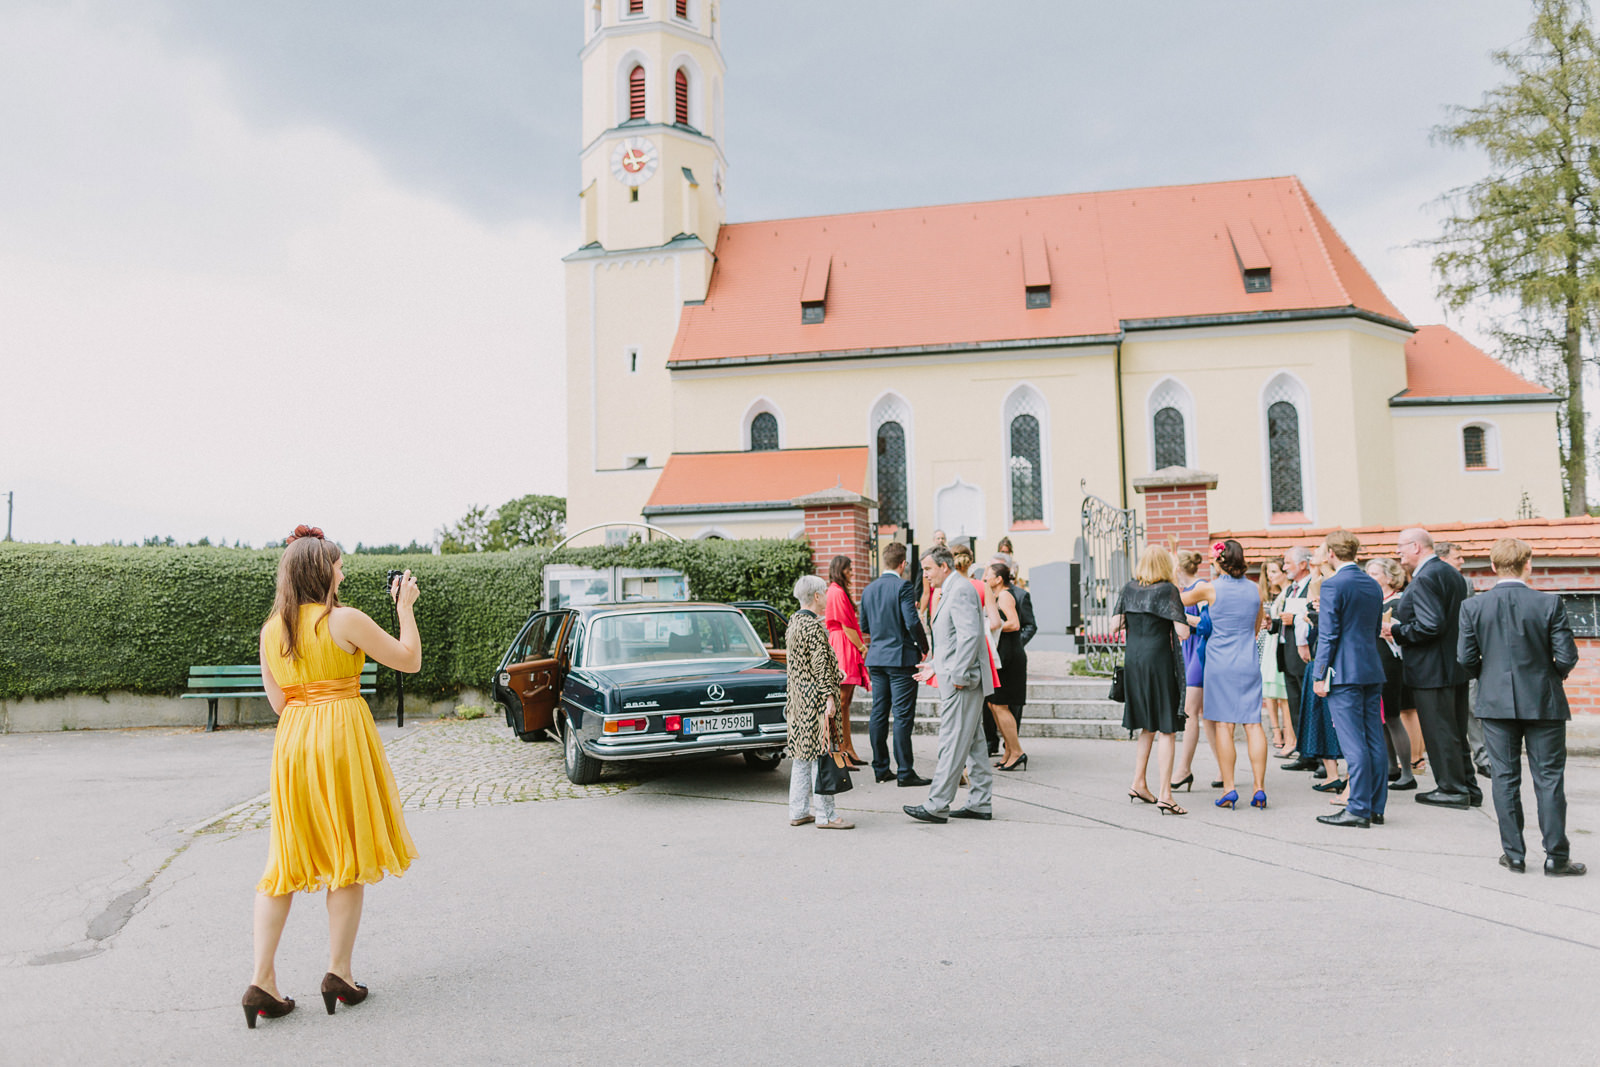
pixel 336 822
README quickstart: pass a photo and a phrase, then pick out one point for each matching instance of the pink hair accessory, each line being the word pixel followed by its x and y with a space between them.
pixel 1218 549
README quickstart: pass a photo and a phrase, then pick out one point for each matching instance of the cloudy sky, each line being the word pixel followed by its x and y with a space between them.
pixel 271 262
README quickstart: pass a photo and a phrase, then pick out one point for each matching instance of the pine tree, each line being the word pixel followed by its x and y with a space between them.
pixel 1529 232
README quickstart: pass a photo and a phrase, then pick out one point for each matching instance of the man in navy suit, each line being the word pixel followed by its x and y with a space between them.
pixel 889 617
pixel 1348 672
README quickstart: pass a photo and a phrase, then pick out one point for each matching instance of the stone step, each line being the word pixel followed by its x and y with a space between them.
pixel 1047 709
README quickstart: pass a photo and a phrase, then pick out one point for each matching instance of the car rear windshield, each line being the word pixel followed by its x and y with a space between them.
pixel 661 636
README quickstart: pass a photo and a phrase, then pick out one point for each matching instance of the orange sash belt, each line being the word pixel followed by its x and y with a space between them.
pixel 325 691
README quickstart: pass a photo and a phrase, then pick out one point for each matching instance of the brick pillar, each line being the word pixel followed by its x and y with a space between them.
pixel 1175 506
pixel 836 525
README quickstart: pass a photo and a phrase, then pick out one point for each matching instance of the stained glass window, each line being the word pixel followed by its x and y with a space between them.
pixel 891 474
pixel 764 432
pixel 1283 457
pixel 1475 447
pixel 1027 478
pixel 1171 449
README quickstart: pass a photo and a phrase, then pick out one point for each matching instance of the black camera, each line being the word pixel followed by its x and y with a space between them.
pixel 388 583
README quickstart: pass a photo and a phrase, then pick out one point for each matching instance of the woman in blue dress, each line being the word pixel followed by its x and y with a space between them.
pixel 1194 670
pixel 1233 673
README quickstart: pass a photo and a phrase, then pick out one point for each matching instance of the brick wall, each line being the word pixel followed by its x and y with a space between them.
pixel 1178 512
pixel 1562 576
pixel 840 530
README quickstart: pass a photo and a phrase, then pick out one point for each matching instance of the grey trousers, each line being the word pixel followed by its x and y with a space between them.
pixel 1475 745
pixel 960 742
pixel 1546 740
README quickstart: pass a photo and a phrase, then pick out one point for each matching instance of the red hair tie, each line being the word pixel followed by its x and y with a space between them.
pixel 302 531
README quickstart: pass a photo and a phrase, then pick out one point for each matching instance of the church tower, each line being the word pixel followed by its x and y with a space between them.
pixel 651 203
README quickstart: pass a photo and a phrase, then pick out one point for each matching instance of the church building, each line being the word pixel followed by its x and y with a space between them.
pixel 981 367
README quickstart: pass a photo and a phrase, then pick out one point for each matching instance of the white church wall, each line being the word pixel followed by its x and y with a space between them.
pixel 1435 484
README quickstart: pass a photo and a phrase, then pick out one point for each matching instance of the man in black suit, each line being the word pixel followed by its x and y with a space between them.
pixel 1426 625
pixel 889 617
pixel 1516 642
pixel 1297 568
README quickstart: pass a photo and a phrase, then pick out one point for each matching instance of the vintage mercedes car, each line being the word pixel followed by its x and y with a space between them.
pixel 648 680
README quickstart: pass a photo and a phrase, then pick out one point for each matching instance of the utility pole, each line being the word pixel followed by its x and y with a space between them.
pixel 10 500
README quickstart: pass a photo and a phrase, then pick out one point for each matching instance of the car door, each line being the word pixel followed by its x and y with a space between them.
pixel 769 625
pixel 536 676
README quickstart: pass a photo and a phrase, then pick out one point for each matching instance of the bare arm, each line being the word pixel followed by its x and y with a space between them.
pixel 353 629
pixel 1006 605
pixel 1204 593
pixel 275 695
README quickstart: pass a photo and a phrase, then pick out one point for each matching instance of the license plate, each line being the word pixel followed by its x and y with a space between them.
pixel 713 724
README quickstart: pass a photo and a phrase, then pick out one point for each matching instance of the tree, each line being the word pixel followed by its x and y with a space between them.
pixel 469 534
pixel 532 521
pixel 1530 231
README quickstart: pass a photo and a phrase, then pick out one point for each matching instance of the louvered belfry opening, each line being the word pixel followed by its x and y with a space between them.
pixel 635 7
pixel 636 93
pixel 891 474
pixel 681 89
pixel 683 9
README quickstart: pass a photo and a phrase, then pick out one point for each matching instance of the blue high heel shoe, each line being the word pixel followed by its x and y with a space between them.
pixel 1228 799
pixel 1259 800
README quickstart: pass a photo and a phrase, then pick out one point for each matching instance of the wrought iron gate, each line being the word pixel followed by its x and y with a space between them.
pixel 1110 546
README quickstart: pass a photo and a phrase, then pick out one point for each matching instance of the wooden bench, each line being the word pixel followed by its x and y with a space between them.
pixel 211 684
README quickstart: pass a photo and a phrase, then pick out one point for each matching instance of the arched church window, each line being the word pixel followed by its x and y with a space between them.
pixel 636 93
pixel 1025 415
pixel 1480 446
pixel 1027 479
pixel 1171 413
pixel 1283 447
pixel 764 432
pixel 681 97
pixel 891 474
pixel 1170 448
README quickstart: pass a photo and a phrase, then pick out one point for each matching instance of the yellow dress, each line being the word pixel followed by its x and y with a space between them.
pixel 335 810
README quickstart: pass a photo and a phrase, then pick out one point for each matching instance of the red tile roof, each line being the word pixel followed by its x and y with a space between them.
pixel 954 274
pixel 709 480
pixel 1574 538
pixel 1442 363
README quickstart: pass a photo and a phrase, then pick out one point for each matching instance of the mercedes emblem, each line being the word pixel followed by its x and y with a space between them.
pixel 714 692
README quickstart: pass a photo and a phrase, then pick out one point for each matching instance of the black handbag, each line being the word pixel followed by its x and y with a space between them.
pixel 832 774
pixel 1118 690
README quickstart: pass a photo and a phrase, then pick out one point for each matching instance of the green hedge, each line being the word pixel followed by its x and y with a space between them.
pixel 96 620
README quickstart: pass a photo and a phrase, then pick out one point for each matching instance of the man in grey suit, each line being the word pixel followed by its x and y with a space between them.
pixel 960 660
pixel 1517 643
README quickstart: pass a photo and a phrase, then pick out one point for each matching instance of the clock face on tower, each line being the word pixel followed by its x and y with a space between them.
pixel 633 161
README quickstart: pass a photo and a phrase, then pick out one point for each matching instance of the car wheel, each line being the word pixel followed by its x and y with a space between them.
pixel 582 768
pixel 764 761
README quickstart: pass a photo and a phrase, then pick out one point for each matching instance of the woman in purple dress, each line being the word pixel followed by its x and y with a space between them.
pixel 1233 674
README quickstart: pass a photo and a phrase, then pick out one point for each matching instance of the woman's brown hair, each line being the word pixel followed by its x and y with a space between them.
pixel 836 571
pixel 1231 559
pixel 1268 587
pixel 305 576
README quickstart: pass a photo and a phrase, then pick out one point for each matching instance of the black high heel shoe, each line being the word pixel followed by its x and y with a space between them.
pixel 1186 783
pixel 258 1001
pixel 1018 764
pixel 336 989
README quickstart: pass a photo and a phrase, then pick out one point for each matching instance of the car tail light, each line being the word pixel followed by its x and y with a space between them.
pixel 625 726
pixel 674 724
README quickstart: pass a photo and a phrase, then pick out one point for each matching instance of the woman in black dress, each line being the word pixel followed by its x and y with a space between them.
pixel 1150 610
pixel 1391 579
pixel 1008 698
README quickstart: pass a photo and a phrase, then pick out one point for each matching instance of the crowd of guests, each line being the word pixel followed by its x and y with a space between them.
pixel 883 645
pixel 1365 672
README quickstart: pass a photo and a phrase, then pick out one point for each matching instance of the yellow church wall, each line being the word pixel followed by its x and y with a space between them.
pixel 1346 375
pixel 957 429
pixel 1434 484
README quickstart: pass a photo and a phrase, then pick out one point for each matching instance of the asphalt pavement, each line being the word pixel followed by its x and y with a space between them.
pixel 675 917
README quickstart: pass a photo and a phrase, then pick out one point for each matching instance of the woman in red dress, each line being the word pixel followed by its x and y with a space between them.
pixel 844 634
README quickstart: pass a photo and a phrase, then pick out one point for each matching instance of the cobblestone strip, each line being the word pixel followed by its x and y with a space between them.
pixel 454 763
